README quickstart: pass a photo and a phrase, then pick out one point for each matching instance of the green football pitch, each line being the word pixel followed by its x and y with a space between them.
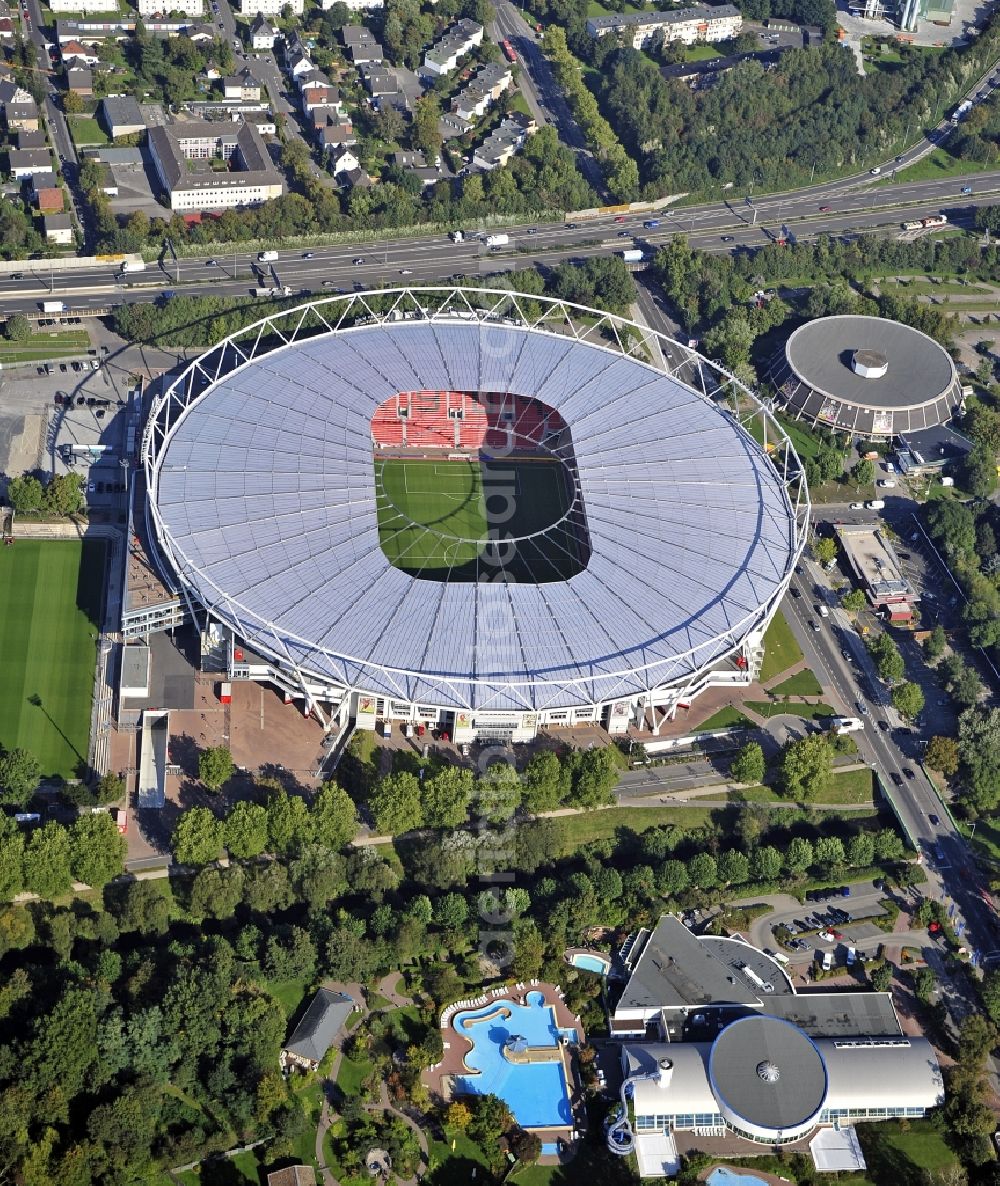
pixel 436 517
pixel 50 605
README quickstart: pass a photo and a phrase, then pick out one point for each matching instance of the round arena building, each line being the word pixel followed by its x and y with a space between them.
pixel 473 512
pixel 867 376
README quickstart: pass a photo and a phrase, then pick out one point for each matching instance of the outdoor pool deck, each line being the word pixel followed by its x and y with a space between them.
pixel 542 1089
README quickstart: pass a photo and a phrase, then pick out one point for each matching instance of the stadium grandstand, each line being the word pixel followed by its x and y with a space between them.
pixel 472 511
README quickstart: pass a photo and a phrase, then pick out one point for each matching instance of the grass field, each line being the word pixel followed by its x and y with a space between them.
pixel 775 708
pixel 725 718
pixel 87 131
pixel 437 518
pixel 43 347
pixel 802 683
pixel 940 163
pixel 51 595
pixel 780 649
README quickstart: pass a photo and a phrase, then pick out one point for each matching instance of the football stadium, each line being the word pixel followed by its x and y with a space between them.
pixel 472 511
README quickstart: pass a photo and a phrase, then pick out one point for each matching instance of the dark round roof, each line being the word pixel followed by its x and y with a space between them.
pixel 919 370
pixel 768 1072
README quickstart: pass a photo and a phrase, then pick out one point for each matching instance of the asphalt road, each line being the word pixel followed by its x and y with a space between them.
pixel 890 749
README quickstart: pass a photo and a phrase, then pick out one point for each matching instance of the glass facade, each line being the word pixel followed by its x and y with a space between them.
pixel 703 1120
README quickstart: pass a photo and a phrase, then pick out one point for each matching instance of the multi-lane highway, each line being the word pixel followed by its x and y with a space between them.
pixel 717 226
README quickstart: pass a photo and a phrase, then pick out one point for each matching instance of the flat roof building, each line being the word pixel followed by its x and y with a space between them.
pixel 930 449
pixel 868 376
pixel 121 117
pixel 874 562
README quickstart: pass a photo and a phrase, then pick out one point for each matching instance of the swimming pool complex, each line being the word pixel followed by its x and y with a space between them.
pixel 590 963
pixel 722 1175
pixel 536 1092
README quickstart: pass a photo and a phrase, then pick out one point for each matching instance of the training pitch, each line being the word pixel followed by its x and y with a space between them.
pixel 436 518
pixel 50 605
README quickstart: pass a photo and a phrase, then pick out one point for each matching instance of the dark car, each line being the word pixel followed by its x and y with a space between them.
pixel 896 777
pixel 933 818
pixel 794 592
pixel 908 771
pixel 727 239
pixel 80 401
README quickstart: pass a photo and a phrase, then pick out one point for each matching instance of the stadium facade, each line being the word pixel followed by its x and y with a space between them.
pixel 868 376
pixel 267 510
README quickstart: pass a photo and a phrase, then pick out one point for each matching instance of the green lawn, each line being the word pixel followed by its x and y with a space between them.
pixel 42 346
pixel 451 1162
pixel 288 993
pixel 780 649
pixel 435 517
pixel 51 595
pixel 808 712
pixel 803 683
pixel 352 1074
pixel 940 163
pixel 847 786
pixel 601 825
pixel 985 838
pixel 932 288
pixel 87 131
pixel 901 1156
pixel 700 53
pixel 725 718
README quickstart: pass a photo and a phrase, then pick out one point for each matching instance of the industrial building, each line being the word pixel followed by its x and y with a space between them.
pixel 874 562
pixel 867 376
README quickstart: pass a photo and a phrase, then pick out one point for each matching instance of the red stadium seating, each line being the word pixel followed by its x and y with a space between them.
pixel 462 420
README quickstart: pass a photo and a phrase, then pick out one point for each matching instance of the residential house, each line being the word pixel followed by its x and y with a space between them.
pixel 270 7
pixel 718 22
pixel 47 193
pixel 263 121
pixel 504 142
pixel 343 160
pixel 298 63
pixel 12 92
pixel 21 117
pixel 263 34
pixel 482 91
pixel 337 135
pixel 357 179
pixel 30 140
pixel 355 5
pixel 242 86
pixel 211 73
pixel 121 117
pixel 80 81
pixel 325 1017
pixel 58 229
pixel 77 53
pixel 463 36
pixel 182 155
pixel 361 46
pixel 6 26
pixel 293 1175
pixel 162 7
pixel 320 94
pixel 25 162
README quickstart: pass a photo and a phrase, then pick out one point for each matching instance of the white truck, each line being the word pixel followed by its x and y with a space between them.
pixel 961 111
pixel 633 255
pixel 53 306
pixel 281 290
pixel 843 725
pixel 267 257
pixel 457 236
pixel 497 240
pixel 132 265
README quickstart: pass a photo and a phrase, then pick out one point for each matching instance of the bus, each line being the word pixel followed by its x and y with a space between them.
pixel 508 51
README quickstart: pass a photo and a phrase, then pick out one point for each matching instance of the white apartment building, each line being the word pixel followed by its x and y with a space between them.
pixel 162 7
pixel 459 40
pixel 84 6
pixel 354 5
pixel 270 7
pixel 687 25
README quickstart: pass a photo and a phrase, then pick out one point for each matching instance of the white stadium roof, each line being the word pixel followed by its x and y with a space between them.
pixel 263 498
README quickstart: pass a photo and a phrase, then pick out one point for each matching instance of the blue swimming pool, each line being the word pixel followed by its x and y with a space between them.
pixel 590 963
pixel 722 1175
pixel 536 1093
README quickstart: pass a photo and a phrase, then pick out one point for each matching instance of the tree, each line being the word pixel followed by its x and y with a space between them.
pixel 110 788
pixel 863 472
pixel 287 821
pixel 333 817
pixel 19 775
pixel 498 793
pixel 25 494
pixel 703 871
pixel 396 805
pixel 64 495
pixel 426 133
pixel 765 864
pixel 525 1146
pixel 734 868
pixel 215 766
pixel 880 976
pixel 197 837
pixel 673 878
pixel 908 700
pixel 17 328
pixel 979 750
pixel 748 764
pixel 244 832
pixel 799 855
pixel 942 754
pixel 805 767
pixel 861 850
pixel 447 796
pixel 458 1115
pixel 854 600
pixel 887 657
pixel 545 783
pixel 97 849
pixel 979 470
pixel 72 103
pixel 47 861
pixel 830 855
pixel 825 549
pixel 935 643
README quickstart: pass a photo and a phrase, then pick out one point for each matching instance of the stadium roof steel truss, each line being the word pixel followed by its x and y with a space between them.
pixel 262 500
